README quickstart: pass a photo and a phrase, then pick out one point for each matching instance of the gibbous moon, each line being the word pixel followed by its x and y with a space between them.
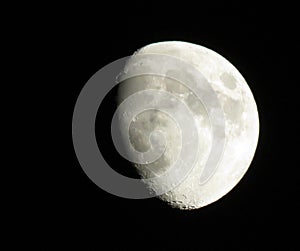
pixel 240 116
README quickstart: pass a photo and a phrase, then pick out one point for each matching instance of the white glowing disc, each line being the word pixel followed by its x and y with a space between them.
pixel 241 124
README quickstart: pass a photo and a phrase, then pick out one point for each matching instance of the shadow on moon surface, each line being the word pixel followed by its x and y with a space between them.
pixel 106 146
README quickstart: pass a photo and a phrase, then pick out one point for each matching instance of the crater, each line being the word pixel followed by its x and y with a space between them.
pixel 228 80
pixel 233 109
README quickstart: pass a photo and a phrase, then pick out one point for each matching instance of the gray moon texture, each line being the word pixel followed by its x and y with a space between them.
pixel 241 124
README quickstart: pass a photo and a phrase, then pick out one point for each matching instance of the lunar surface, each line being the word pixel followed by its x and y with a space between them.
pixel 240 116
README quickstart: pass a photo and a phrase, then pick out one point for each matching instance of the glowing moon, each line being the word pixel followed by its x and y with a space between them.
pixel 241 124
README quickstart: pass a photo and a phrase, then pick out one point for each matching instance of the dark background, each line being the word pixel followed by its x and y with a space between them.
pixel 261 41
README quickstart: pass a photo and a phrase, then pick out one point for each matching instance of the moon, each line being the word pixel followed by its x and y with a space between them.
pixel 241 124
